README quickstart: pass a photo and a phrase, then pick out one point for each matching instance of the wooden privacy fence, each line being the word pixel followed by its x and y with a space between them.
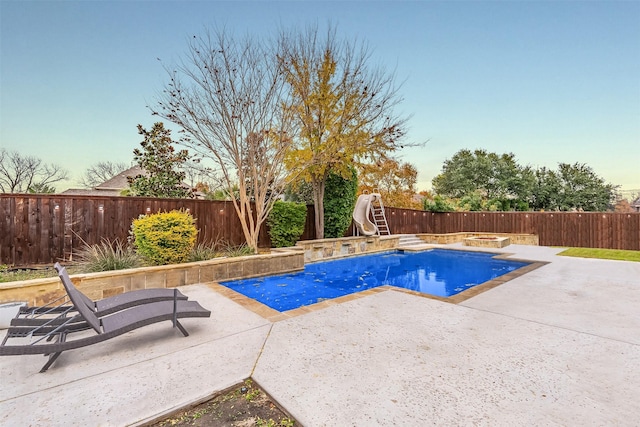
pixel 610 230
pixel 42 229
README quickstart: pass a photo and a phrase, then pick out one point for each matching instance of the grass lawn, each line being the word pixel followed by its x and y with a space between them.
pixel 617 254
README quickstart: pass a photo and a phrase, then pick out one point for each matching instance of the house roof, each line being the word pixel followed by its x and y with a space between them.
pixel 115 185
pixel 120 182
pixel 86 192
pixel 111 187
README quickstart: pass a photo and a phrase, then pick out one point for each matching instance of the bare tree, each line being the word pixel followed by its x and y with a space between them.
pixel 201 176
pixel 223 93
pixel 20 174
pixel 344 108
pixel 100 172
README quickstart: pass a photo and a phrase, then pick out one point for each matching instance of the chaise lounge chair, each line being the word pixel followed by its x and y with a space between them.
pixel 35 316
pixel 106 327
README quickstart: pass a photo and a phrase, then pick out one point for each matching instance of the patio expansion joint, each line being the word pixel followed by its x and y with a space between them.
pixel 264 343
pixel 636 344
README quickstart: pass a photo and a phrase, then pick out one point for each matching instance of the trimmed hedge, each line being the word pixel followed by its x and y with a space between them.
pixel 286 223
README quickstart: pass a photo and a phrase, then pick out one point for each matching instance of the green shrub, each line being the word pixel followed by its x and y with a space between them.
pixel 495 205
pixel 438 204
pixel 107 256
pixel 242 250
pixel 522 205
pixel 472 202
pixel 339 201
pixel 165 238
pixel 286 223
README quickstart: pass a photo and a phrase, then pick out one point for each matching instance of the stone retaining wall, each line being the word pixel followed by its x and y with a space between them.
pixel 105 284
pixel 283 260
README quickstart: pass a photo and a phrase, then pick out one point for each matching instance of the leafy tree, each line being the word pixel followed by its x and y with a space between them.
pixel 160 161
pixel 572 187
pixel 19 174
pixel 100 172
pixel 547 193
pixel 473 202
pixel 583 189
pixel 494 176
pixel 299 191
pixel 395 181
pixel 438 204
pixel 339 202
pixel 229 98
pixel 343 107
pixel 488 181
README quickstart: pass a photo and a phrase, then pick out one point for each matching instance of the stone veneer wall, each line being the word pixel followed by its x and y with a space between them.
pixel 443 239
pixel 315 250
pixel 105 284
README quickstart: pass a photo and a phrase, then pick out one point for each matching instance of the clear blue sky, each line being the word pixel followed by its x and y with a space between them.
pixel 549 81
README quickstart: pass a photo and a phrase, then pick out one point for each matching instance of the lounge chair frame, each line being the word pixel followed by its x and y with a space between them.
pixel 106 327
pixel 35 316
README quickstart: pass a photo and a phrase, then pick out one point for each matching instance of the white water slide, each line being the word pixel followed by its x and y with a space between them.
pixel 361 214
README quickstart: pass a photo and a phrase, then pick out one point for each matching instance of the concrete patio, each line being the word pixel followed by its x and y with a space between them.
pixel 557 346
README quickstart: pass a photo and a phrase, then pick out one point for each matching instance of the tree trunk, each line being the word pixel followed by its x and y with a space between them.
pixel 252 242
pixel 250 229
pixel 318 206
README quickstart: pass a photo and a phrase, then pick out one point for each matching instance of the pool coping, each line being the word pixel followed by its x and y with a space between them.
pixel 273 315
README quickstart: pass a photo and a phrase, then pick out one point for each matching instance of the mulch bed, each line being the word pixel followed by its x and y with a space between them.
pixel 244 405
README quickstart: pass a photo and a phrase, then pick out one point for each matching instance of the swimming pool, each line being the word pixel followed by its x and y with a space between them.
pixel 437 272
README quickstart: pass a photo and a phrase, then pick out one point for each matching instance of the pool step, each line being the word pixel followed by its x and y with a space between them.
pixel 410 240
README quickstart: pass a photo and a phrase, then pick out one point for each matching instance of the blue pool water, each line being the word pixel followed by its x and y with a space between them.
pixel 437 272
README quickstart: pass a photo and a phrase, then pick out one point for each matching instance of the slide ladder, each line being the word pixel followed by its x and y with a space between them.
pixel 379 217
